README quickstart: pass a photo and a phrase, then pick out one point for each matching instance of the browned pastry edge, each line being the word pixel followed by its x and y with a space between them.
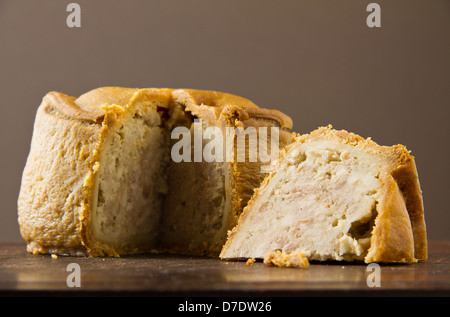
pixel 89 105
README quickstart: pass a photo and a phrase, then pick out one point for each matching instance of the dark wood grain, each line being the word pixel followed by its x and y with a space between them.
pixel 173 275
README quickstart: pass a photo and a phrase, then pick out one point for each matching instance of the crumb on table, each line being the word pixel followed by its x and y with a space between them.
pixel 281 259
pixel 250 261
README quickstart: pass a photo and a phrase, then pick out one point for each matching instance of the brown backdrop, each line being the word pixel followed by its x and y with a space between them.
pixel 315 60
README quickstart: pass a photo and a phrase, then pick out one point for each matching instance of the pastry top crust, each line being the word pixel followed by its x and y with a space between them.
pixel 397 154
pixel 213 104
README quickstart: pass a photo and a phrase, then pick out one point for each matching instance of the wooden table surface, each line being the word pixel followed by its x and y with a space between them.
pixel 170 275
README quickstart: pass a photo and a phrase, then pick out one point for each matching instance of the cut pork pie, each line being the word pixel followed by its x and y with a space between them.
pixel 101 178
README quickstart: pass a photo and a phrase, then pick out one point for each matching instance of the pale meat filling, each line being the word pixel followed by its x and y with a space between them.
pixel 195 215
pixel 146 201
pixel 322 201
pixel 131 184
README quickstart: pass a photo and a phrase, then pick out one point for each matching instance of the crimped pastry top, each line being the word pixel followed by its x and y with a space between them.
pixel 89 105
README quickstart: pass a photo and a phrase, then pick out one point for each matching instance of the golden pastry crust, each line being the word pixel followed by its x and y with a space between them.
pixel 56 181
pixel 399 234
pixel 57 191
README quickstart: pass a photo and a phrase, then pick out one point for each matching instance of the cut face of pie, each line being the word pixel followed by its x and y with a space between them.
pixel 335 196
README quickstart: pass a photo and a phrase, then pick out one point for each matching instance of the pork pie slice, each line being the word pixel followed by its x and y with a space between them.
pixel 334 195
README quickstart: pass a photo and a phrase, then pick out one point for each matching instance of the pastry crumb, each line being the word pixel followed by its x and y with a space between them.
pixel 281 259
pixel 250 261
